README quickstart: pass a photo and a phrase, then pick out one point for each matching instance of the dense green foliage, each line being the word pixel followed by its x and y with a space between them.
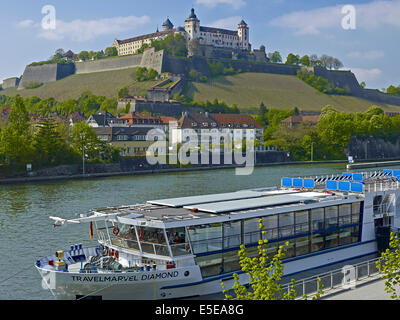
pixel 389 266
pixel 393 90
pixel 87 104
pixel 319 83
pixel 216 106
pixel 47 141
pixel 33 85
pixel 174 44
pixel 142 74
pixel 218 69
pixel 332 134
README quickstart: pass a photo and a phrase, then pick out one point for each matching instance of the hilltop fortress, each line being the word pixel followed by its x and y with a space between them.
pixel 201 41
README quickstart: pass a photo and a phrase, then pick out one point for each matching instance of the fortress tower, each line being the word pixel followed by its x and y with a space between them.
pixel 167 25
pixel 244 35
pixel 192 26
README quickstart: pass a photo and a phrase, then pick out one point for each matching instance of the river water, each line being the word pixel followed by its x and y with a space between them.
pixel 27 233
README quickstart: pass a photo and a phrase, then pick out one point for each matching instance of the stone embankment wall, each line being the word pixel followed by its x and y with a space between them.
pixel 108 64
pixel 365 148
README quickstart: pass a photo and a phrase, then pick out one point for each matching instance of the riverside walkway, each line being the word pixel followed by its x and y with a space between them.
pixel 373 290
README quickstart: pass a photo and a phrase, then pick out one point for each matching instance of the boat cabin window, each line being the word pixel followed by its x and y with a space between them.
pixel 178 241
pixel 286 224
pixel 176 235
pixel 152 235
pixel 206 237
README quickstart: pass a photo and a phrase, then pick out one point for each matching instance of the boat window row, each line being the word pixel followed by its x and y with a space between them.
pixel 228 261
pixel 146 239
pixel 307 231
pixel 220 236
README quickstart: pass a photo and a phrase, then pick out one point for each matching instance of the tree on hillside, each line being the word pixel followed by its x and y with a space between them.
pixel 337 64
pixel 174 44
pixel 293 59
pixel 123 93
pixel 58 54
pixel 393 90
pixel 315 61
pixel 84 55
pixel 111 52
pixel 275 57
pixel 305 61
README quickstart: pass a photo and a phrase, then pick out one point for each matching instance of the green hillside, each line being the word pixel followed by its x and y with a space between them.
pixel 100 83
pixel 248 90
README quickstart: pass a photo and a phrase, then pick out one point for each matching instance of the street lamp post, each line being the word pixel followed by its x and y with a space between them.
pixel 312 151
pixel 83 160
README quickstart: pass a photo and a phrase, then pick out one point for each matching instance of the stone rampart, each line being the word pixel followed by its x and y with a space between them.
pixel 46 73
pixel 10 83
pixel 108 64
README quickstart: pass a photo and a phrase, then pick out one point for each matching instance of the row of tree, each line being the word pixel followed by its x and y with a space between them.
pixel 86 104
pixel 332 134
pixel 48 141
pixel 58 56
pixel 313 60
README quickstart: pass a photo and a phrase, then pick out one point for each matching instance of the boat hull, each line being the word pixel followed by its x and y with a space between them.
pixel 179 283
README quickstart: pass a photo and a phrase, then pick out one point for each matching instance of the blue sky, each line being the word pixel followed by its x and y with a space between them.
pixel 302 27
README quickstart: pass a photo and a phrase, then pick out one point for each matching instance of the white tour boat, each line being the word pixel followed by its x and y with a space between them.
pixel 185 247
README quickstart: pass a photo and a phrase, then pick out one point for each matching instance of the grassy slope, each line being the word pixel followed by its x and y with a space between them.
pixel 100 83
pixel 248 90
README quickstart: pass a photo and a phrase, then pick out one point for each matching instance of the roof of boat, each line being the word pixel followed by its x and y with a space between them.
pixel 219 206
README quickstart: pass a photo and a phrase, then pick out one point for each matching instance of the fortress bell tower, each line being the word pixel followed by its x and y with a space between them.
pixel 192 26
pixel 244 35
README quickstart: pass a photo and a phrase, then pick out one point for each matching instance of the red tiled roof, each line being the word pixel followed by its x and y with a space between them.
pixel 147 36
pixel 167 120
pixel 224 119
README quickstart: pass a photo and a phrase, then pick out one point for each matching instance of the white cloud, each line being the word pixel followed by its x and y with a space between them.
pixel 227 23
pixel 26 24
pixel 366 75
pixel 372 15
pixel 236 4
pixel 367 55
pixel 81 30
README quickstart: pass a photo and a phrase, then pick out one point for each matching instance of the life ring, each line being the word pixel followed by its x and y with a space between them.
pixel 115 230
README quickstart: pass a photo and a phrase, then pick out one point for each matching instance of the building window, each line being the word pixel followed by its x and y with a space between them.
pixel 122 137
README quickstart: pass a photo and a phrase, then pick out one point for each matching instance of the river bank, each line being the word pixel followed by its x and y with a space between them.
pixel 28 179
pixel 114 170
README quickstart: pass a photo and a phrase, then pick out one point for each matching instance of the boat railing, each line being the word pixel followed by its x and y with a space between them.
pixel 381 186
pixel 336 280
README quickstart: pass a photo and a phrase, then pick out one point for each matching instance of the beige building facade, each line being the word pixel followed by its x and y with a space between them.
pixel 217 37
